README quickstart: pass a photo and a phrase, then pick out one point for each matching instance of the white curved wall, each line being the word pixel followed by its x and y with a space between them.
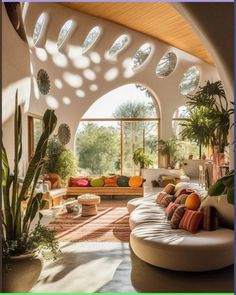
pixel 48 58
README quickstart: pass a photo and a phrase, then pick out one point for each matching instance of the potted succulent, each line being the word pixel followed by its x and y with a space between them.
pixel 23 236
pixel 141 159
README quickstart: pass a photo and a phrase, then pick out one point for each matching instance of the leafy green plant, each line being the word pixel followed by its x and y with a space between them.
pixel 209 103
pixel 59 159
pixel 141 159
pixel 224 185
pixel 17 236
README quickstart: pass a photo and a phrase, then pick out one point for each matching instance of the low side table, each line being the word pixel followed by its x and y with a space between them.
pixel 89 204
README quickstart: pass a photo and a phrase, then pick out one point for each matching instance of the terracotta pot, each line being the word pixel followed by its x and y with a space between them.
pixel 22 275
pixel 165 161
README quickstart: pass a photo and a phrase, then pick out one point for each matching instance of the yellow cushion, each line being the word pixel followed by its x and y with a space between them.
pixel 193 202
pixel 135 181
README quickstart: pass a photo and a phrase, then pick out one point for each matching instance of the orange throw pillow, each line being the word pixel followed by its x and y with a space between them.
pixel 135 181
pixel 193 202
pixel 110 181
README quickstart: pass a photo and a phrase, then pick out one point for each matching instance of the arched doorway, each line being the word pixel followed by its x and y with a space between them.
pixel 114 127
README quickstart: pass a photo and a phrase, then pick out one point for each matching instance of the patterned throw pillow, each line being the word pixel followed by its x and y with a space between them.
pixel 123 181
pixel 177 216
pixel 110 181
pixel 160 196
pixel 167 200
pixel 97 182
pixel 169 189
pixel 135 181
pixel 183 191
pixel 181 199
pixel 210 218
pixel 191 221
pixel 170 210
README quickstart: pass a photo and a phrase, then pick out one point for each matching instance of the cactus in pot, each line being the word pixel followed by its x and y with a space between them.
pixel 19 240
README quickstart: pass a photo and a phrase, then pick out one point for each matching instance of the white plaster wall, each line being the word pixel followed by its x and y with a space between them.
pixel 47 57
pixel 15 75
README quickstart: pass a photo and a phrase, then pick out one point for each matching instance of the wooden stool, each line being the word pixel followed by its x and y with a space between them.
pixel 89 204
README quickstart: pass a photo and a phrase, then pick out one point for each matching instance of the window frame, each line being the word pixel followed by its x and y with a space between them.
pixel 30 119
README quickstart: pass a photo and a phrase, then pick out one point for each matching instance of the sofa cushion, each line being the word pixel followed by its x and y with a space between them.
pixel 160 196
pixel 177 216
pixel 210 218
pixel 193 201
pixel 191 221
pixel 110 181
pixel 170 210
pixel 123 181
pixel 167 200
pixel 169 189
pixel 135 181
pixel 79 182
pixel 97 182
pixel 181 199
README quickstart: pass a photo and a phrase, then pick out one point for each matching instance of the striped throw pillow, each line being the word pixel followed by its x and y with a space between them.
pixel 191 221
pixel 167 200
pixel 160 196
pixel 210 218
pixel 181 199
pixel 177 216
pixel 170 210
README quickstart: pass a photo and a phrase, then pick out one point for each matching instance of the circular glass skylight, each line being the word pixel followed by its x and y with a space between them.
pixel 141 56
pixel 91 38
pixel 166 65
pixel 38 28
pixel 64 33
pixel 190 80
pixel 119 44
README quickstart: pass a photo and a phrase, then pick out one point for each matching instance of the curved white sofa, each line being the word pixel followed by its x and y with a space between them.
pixel 153 241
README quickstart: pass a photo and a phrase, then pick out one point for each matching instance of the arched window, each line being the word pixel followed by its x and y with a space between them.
pixel 190 80
pixel 141 56
pixel 64 33
pixel 117 124
pixel 91 38
pixel 166 65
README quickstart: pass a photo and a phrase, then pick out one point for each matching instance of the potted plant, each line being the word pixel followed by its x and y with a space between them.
pixel 141 159
pixel 21 239
pixel 59 160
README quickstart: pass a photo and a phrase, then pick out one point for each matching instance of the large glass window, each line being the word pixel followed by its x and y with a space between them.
pixel 115 126
pixel 190 80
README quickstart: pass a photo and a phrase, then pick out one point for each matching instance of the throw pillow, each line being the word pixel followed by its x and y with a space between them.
pixel 181 199
pixel 160 196
pixel 167 200
pixel 123 181
pixel 55 180
pixel 210 218
pixel 169 189
pixel 110 181
pixel 97 182
pixel 79 182
pixel 170 210
pixel 135 181
pixel 177 216
pixel 183 191
pixel 191 221
pixel 193 202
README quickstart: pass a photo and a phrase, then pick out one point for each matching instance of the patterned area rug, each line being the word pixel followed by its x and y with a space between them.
pixel 111 224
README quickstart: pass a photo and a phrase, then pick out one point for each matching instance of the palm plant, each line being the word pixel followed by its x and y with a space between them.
pixel 216 116
pixel 17 236
pixel 198 128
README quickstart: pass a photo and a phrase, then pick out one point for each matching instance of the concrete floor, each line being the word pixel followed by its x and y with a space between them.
pixel 105 267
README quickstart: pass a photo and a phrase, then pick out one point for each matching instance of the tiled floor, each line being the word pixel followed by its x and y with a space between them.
pixel 111 267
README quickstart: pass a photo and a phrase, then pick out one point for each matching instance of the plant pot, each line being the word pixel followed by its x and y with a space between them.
pixel 165 161
pixel 22 275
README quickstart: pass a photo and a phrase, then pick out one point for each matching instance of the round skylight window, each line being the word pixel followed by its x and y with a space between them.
pixel 190 80
pixel 64 33
pixel 119 44
pixel 91 38
pixel 166 65
pixel 141 56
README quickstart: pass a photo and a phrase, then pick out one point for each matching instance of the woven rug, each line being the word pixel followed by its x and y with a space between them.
pixel 111 224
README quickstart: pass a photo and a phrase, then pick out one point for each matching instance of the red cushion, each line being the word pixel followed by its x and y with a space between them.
pixel 191 221
pixel 79 182
pixel 170 210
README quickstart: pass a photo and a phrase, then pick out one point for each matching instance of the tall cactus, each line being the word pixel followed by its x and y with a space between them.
pixel 15 224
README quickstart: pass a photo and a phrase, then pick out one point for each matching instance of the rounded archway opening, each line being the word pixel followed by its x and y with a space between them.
pixel 119 123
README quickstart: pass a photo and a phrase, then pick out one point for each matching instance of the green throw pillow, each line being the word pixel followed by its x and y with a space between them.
pixel 123 181
pixel 97 182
